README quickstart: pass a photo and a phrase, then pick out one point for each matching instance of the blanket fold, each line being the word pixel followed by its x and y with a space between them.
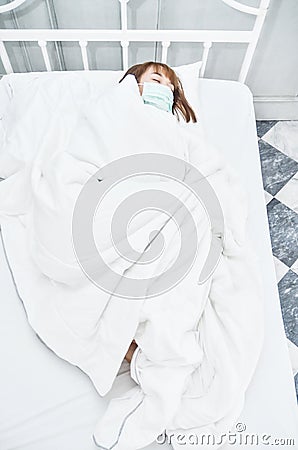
pixel 199 340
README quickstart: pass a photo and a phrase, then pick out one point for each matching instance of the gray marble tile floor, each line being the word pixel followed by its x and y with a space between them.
pixel 278 147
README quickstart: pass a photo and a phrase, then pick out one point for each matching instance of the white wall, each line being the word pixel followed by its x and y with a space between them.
pixel 273 78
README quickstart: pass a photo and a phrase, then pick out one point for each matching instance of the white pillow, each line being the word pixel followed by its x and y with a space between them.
pixel 36 94
pixel 188 71
pixel 99 79
pixel 189 75
pixel 83 84
pixel 17 83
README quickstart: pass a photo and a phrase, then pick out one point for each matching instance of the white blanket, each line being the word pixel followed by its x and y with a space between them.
pixel 198 343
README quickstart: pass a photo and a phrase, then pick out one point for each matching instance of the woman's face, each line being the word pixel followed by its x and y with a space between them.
pixel 153 76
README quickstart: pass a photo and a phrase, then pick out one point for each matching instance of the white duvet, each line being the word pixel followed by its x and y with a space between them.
pixel 198 342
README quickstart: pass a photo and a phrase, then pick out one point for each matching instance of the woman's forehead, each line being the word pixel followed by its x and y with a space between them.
pixel 158 71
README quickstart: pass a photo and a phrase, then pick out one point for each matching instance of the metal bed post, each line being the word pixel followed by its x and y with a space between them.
pixel 5 58
pixel 43 45
pixel 252 45
pixel 83 46
pixel 124 42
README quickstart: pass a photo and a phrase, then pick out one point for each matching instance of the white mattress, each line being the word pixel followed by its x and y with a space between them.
pixel 48 404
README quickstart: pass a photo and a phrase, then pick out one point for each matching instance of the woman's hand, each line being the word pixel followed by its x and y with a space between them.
pixel 131 350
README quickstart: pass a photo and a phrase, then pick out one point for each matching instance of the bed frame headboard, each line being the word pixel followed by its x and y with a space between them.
pixel 125 36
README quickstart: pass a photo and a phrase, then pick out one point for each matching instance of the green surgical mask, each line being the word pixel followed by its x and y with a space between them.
pixel 157 95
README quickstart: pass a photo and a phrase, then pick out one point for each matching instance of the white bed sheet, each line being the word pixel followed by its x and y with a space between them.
pixel 48 404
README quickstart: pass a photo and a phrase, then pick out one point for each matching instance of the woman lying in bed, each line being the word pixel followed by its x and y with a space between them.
pixel 159 86
pixel 197 344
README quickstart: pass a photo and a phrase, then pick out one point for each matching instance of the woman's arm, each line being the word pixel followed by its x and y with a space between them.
pixel 131 350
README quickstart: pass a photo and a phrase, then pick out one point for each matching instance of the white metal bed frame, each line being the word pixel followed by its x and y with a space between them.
pixel 125 36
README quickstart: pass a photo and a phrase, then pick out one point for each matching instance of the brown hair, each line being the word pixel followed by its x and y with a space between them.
pixel 180 104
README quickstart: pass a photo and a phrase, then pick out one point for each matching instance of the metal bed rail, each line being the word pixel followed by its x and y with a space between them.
pixel 125 36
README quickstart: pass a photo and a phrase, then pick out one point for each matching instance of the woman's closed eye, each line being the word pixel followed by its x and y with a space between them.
pixel 170 85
